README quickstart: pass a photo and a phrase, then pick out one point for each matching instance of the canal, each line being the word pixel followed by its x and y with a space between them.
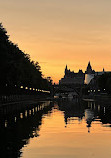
pixel 56 129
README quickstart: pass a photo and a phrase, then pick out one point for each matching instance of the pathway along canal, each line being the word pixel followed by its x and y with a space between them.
pixel 60 129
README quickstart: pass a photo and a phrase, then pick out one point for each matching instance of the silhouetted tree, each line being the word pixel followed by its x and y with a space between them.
pixel 16 67
pixel 104 82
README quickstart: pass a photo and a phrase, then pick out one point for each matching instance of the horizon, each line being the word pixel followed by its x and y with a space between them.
pixel 56 33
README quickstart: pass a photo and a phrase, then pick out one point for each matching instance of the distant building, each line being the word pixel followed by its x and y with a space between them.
pixel 89 69
pixel 90 74
pixel 79 78
pixel 72 78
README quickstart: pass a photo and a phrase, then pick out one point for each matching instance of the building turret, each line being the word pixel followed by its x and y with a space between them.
pixel 66 71
pixel 89 69
pixel 89 65
pixel 89 74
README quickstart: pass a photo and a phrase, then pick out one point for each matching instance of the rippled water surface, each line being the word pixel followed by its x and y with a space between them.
pixel 61 129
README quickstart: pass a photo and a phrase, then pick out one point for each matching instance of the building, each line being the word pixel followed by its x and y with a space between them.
pixel 90 74
pixel 72 78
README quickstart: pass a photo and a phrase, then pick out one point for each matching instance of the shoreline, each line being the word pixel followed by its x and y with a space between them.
pixel 15 99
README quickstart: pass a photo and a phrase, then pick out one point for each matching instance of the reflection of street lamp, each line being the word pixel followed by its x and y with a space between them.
pixel 104 110
pixel 99 107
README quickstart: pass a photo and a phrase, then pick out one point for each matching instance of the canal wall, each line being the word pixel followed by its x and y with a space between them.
pixel 5 99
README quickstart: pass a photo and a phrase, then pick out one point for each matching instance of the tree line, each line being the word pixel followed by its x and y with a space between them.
pixel 104 82
pixel 100 84
pixel 16 67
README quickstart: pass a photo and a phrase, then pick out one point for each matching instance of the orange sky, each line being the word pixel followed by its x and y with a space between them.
pixel 60 32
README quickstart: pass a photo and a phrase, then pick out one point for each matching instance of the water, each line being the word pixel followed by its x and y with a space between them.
pixel 61 129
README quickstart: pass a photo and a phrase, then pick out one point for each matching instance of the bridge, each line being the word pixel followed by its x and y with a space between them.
pixel 66 90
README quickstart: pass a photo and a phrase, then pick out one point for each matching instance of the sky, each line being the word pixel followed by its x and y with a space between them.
pixel 60 32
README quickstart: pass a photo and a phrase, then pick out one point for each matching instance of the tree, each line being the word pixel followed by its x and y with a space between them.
pixel 16 67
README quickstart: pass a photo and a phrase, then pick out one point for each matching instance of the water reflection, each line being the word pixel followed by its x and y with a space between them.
pixel 89 111
pixel 19 123
pixel 17 128
pixel 72 110
pixel 89 116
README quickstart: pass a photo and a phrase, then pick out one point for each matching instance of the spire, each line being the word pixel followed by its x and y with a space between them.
pixel 89 65
pixel 89 69
pixel 103 70
pixel 66 70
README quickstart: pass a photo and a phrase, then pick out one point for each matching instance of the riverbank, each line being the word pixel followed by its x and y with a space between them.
pixel 30 99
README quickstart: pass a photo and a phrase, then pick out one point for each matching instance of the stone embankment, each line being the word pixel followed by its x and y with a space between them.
pixel 11 99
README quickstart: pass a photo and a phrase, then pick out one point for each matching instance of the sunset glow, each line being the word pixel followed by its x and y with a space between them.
pixel 60 32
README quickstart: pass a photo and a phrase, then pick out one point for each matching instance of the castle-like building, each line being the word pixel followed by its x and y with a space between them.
pixel 90 74
pixel 79 78
pixel 71 77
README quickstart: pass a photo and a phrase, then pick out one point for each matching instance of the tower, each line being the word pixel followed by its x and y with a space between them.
pixel 66 67
pixel 89 69
pixel 89 74
pixel 66 70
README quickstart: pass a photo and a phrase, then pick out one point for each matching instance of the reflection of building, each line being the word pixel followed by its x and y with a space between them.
pixel 89 115
pixel 73 110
